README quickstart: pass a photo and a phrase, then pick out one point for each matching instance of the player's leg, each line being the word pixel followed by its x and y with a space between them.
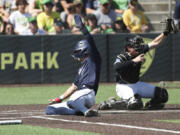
pixel 145 90
pixel 83 102
pixel 129 99
pixel 158 95
pixel 124 91
pixel 60 108
pixel 159 99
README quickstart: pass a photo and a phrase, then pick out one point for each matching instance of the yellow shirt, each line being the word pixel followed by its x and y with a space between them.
pixel 47 22
pixel 134 20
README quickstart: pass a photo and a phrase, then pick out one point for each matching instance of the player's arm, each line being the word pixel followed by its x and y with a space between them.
pixel 169 29
pixel 84 30
pixel 65 95
pixel 157 41
pixel 121 65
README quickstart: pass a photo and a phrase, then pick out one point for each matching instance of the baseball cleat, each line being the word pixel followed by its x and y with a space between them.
pixel 151 106
pixel 91 113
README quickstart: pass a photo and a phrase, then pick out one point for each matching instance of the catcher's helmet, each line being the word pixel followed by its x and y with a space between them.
pixel 135 43
pixel 81 49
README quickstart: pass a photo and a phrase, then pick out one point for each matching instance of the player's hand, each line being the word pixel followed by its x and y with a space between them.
pixel 55 101
pixel 78 21
pixel 139 58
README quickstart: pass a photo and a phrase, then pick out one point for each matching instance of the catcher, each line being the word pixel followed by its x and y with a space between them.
pixel 127 66
pixel 84 88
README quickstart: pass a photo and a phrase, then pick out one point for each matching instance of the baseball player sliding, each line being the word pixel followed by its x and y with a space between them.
pixel 84 88
pixel 127 66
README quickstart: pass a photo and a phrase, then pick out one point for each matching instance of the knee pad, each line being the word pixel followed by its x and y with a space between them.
pixel 50 110
pixel 135 103
pixel 160 95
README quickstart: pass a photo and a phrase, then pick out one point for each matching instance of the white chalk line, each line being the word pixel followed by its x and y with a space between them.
pixel 14 118
pixel 137 111
pixel 108 124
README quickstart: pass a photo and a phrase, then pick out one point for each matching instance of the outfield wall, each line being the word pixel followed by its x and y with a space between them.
pixel 46 59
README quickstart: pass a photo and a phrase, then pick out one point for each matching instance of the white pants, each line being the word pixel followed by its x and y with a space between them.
pixel 126 91
pixel 80 101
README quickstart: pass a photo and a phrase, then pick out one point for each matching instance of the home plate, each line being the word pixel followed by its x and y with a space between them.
pixel 10 122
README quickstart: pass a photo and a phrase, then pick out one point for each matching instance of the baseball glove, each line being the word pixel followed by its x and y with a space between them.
pixel 170 27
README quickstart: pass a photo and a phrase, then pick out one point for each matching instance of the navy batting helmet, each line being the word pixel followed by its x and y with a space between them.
pixel 81 49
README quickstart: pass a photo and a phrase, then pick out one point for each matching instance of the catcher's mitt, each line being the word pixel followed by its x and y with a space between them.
pixel 170 27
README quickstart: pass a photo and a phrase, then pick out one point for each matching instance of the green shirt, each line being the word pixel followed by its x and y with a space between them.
pixel 120 4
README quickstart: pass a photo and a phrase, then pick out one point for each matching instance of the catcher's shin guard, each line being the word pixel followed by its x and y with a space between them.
pixel 160 97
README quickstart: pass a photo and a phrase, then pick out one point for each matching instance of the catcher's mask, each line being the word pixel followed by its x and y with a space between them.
pixel 81 49
pixel 135 43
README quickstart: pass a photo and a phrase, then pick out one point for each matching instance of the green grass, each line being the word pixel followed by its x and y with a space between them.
pixel 41 94
pixel 31 130
pixel 169 121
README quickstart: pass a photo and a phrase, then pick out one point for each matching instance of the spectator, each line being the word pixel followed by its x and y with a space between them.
pixel 177 15
pixel 68 7
pixel 34 30
pixel 8 29
pixel 91 6
pixel 1 25
pixel 92 24
pixel 119 26
pixel 45 20
pixel 19 18
pixel 59 27
pixel 105 16
pixel 35 7
pixel 13 6
pixel 58 6
pixel 134 19
pixel 120 6
pixel 5 9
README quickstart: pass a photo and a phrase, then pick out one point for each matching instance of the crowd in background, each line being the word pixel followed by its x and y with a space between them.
pixel 52 17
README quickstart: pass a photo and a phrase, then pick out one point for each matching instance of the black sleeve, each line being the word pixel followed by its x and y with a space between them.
pixel 121 66
pixel 91 42
pixel 145 48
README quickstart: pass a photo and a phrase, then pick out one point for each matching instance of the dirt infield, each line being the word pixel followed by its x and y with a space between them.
pixel 107 123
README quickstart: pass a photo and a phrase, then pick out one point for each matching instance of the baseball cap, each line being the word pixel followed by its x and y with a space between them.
pixel 104 2
pixel 46 1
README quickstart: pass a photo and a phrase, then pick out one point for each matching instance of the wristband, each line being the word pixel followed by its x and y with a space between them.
pixel 58 99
